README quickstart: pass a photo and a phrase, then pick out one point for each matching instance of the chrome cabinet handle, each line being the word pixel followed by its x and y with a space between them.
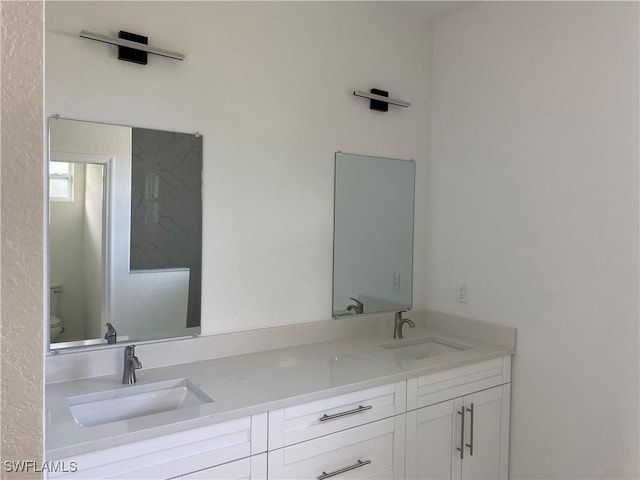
pixel 361 463
pixel 461 447
pixel 360 409
pixel 470 444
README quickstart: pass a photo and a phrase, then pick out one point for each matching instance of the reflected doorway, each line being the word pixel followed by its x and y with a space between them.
pixel 78 233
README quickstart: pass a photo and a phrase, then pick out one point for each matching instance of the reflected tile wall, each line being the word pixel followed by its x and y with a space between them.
pixel 166 206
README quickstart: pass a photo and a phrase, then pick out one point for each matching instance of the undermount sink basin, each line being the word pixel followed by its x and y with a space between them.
pixel 135 401
pixel 420 348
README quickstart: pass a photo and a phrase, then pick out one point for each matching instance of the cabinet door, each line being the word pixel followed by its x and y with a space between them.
pixel 307 421
pixel 457 382
pixel 430 440
pixel 375 450
pixel 486 435
pixel 173 455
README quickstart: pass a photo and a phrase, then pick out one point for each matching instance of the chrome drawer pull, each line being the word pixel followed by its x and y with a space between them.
pixel 360 409
pixel 461 447
pixel 361 463
pixel 470 445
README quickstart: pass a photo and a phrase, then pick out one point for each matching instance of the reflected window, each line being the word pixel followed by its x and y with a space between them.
pixel 61 181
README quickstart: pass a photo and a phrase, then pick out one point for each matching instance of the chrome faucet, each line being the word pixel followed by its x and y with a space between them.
pixel 358 308
pixel 111 335
pixel 131 364
pixel 397 331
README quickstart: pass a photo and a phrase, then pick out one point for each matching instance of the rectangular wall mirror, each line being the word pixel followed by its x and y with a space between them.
pixel 373 234
pixel 125 233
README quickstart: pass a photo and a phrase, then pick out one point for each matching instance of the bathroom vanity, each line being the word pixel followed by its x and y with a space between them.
pixel 434 405
pixel 341 398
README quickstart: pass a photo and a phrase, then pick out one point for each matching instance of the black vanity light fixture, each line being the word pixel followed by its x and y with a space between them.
pixel 380 99
pixel 132 47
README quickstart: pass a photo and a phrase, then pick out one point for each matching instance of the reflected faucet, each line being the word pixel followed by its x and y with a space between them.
pixel 131 364
pixel 358 308
pixel 111 336
pixel 399 322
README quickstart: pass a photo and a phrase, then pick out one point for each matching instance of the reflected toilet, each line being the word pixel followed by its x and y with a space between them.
pixel 55 324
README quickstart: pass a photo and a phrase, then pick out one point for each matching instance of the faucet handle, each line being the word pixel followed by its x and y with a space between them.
pixel 131 363
pixel 399 322
pixel 358 307
pixel 358 302
pixel 130 352
pixel 111 334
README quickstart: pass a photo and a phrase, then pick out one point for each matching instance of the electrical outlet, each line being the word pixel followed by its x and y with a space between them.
pixel 461 292
pixel 396 282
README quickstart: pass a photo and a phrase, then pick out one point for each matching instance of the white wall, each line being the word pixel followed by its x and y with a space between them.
pixel 269 85
pixel 22 231
pixel 92 249
pixel 533 201
pixel 66 266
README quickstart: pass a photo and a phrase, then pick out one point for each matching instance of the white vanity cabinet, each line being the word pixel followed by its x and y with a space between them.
pixel 452 424
pixel 483 442
pixel 310 420
pixel 463 430
pixel 356 435
pixel 178 454
pixel 430 439
pixel 373 450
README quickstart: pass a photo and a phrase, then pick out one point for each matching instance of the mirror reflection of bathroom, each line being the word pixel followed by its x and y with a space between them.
pixel 125 233
pixel 77 232
pixel 373 235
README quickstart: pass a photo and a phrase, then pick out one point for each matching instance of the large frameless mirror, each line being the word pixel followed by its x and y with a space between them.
pixel 373 234
pixel 125 233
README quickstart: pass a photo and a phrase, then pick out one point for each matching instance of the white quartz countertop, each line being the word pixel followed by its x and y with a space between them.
pixel 252 383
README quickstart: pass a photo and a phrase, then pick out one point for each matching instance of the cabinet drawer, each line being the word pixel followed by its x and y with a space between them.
pixel 306 421
pixel 173 455
pixel 252 468
pixel 456 382
pixel 375 450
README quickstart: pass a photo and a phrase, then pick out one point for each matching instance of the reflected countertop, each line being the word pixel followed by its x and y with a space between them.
pixel 252 383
